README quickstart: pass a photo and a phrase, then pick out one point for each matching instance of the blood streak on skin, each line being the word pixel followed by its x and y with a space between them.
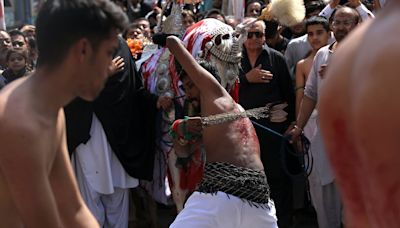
pixel 247 132
pixel 376 205
pixel 347 166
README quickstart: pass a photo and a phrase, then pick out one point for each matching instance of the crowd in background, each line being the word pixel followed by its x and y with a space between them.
pixel 286 52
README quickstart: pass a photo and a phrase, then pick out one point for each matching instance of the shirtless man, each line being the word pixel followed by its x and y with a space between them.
pixel 76 40
pixel 231 147
pixel 359 120
pixel 318 34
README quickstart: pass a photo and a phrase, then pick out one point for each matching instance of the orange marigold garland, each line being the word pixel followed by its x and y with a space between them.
pixel 135 45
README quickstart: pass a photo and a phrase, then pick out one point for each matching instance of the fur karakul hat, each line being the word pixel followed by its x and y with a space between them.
pixel 287 12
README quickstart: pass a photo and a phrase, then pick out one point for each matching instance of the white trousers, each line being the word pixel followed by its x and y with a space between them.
pixel 204 210
pixel 327 203
pixel 110 210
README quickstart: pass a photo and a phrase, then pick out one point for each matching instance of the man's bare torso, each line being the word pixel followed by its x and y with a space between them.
pixel 43 133
pixel 234 142
pixel 359 107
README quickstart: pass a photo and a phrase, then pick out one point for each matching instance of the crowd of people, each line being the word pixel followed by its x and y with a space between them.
pixel 109 105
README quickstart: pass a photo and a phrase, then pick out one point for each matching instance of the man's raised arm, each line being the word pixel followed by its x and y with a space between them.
pixel 200 77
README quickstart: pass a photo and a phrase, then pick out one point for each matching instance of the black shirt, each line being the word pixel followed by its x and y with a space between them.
pixel 253 95
pixel 279 89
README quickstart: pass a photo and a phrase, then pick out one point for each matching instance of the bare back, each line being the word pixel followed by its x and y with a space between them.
pixel 234 142
pixel 359 117
pixel 37 187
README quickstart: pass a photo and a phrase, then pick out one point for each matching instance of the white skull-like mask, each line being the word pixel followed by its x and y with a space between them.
pixel 216 42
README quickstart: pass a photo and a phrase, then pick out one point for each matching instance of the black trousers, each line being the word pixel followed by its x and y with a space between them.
pixel 278 180
pixel 282 195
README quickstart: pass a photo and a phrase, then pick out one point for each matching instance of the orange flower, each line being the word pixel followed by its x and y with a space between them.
pixel 135 45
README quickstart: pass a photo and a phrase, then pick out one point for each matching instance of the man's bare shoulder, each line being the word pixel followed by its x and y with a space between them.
pixel 300 64
pixel 17 123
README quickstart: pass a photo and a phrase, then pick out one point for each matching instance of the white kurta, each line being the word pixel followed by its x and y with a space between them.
pixel 100 165
pixel 103 182
pixel 325 197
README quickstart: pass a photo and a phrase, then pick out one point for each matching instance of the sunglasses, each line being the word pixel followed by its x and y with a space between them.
pixel 257 34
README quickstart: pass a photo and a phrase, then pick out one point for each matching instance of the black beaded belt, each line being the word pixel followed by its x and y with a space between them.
pixel 245 183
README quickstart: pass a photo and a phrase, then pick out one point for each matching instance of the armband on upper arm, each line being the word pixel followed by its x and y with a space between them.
pixel 179 132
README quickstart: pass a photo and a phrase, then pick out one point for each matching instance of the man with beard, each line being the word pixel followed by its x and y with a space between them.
pixel 344 21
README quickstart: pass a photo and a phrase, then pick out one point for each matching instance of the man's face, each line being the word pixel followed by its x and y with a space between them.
pixel 253 10
pixel 5 43
pixel 187 21
pixel 343 23
pixel 144 25
pixel 192 93
pixel 255 37
pixel 317 36
pixel 134 33
pixel 96 68
pixel 29 31
pixel 298 29
pixel 19 42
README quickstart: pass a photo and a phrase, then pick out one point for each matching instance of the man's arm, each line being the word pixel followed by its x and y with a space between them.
pixel 23 167
pixel 71 207
pixel 300 84
pixel 308 102
pixel 200 77
pixel 364 12
pixel 329 8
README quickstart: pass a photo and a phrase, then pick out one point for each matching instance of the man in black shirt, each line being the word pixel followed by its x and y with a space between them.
pixel 265 78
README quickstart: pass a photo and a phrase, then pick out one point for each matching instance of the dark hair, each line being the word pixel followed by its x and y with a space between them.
pixel 271 29
pixel 130 26
pixel 210 68
pixel 16 32
pixel 188 13
pixel 60 23
pixel 214 11
pixel 313 6
pixel 255 1
pixel 203 63
pixel 318 20
pixel 16 51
